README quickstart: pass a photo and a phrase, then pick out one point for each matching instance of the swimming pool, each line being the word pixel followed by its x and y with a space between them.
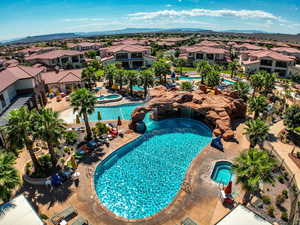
pixel 222 172
pixel 143 177
pixel 112 112
pixel 199 78
pixel 137 88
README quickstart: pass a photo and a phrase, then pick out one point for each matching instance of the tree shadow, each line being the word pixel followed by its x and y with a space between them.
pixel 93 157
pixel 272 138
pixel 44 194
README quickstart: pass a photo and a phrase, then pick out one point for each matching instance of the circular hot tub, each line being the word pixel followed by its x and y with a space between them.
pixel 109 98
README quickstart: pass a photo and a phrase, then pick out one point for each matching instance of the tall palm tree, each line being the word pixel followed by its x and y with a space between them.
pixel 50 129
pixel 20 130
pixel 257 82
pixel 83 101
pixel 146 80
pixel 161 69
pixel 234 67
pixel 251 168
pixel 120 78
pixel 9 177
pixel 242 89
pixel 88 75
pixel 109 73
pixel 180 62
pixel 203 67
pixel 132 79
pixel 269 81
pixel 257 105
pixel 256 131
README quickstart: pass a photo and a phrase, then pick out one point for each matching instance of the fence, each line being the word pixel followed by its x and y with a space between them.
pixel 294 218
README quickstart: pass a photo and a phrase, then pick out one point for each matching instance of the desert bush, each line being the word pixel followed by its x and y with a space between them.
pixel 266 199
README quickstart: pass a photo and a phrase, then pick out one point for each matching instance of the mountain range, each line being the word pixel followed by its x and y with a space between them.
pixel 57 36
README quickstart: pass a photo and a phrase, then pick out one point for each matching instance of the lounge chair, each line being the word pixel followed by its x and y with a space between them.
pixel 65 214
pixel 188 221
pixel 80 221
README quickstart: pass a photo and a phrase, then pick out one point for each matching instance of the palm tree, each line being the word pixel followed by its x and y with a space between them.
pixel 20 130
pixel 146 80
pixel 257 82
pixel 242 89
pixel 234 66
pixel 50 129
pixel 9 177
pixel 88 75
pixel 203 67
pixel 161 69
pixel 213 78
pixel 256 131
pixel 119 78
pixel 96 64
pixel 180 62
pixel 269 81
pixel 251 168
pixel 83 101
pixel 109 73
pixel 132 79
pixel 257 105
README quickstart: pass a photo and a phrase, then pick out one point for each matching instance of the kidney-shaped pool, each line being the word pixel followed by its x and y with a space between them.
pixel 143 177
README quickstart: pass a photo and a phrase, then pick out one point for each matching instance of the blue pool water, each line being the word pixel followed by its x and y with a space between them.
pixel 112 112
pixel 107 97
pixel 222 172
pixel 144 176
pixel 137 88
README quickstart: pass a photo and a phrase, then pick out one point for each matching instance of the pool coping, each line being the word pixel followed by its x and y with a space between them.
pixel 211 170
pixel 184 187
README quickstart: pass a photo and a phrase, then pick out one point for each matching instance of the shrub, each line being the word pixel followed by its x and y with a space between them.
pixel 281 179
pixel 100 128
pixel 186 86
pixel 279 200
pixel 284 216
pixel 285 194
pixel 71 137
pixel 271 211
pixel 266 199
pixel 296 78
pixel 43 216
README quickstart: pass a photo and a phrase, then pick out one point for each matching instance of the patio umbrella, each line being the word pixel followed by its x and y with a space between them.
pixel 228 188
pixel 119 121
pixel 99 116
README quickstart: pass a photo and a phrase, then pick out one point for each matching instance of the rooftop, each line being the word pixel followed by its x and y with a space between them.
pixel 63 76
pixel 54 54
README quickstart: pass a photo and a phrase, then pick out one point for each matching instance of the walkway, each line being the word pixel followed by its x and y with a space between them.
pixel 283 150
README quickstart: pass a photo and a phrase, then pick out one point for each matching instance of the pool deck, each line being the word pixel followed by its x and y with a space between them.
pixel 197 199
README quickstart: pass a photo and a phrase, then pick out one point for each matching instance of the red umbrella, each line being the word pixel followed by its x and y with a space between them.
pixel 228 188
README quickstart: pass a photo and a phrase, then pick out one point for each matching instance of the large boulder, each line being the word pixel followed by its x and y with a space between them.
pixel 183 97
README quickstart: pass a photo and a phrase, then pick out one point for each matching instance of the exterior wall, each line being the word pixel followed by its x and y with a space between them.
pixel 25 84
pixel 216 58
pixel 59 61
pixel 63 86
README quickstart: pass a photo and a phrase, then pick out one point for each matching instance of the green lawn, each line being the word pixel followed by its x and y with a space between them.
pixel 186 69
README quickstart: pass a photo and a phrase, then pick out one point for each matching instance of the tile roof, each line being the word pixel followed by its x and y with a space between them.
pixel 205 49
pixel 286 49
pixel 83 44
pixel 11 74
pixel 63 76
pixel 126 48
pixel 271 54
pixel 54 54
pixel 249 46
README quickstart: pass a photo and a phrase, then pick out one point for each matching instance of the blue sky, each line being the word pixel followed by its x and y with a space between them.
pixel 19 18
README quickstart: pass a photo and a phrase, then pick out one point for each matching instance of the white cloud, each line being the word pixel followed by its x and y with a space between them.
pixel 82 19
pixel 257 14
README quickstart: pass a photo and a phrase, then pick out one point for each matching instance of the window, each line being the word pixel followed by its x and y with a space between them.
pixel 3 103
pixel 265 62
pixel 281 64
pixel 199 56
pixel 121 56
pixel 210 56
pixel 136 55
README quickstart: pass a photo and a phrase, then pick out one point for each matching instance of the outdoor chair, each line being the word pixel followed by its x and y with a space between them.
pixel 65 214
pixel 188 221
pixel 80 221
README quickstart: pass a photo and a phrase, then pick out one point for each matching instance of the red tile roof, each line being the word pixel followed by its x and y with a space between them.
pixel 63 76
pixel 126 48
pixel 54 54
pixel 11 74
pixel 83 44
pixel 271 54
pixel 205 49
pixel 286 49
pixel 250 47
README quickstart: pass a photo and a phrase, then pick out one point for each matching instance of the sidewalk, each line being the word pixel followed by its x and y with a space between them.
pixel 284 149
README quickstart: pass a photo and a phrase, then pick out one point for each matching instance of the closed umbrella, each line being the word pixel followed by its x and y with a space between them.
pixel 99 116
pixel 73 162
pixel 119 121
pixel 228 188
pixel 77 119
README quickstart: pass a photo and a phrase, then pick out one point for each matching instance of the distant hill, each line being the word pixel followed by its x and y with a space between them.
pixel 245 31
pixel 49 37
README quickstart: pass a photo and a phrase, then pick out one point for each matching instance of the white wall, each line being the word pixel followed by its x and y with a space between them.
pixel 8 95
